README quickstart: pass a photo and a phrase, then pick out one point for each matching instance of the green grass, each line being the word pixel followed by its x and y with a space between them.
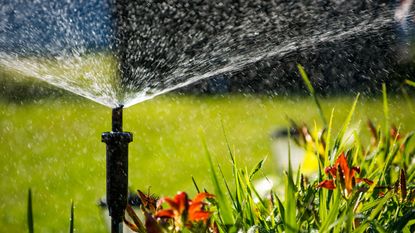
pixel 54 148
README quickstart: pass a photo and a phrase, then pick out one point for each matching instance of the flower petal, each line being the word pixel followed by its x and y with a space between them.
pixel 331 170
pixel 182 202
pixel 367 181
pixel 344 166
pixel 169 213
pixel 328 184
pixel 195 207
pixel 173 204
pixel 199 216
pixel 200 196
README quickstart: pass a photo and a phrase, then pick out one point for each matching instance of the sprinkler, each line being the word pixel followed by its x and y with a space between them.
pixel 117 170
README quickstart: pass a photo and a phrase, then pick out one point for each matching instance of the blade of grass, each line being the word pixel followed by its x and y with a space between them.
pixel 195 184
pixel 237 201
pixel 385 105
pixel 389 158
pixel 386 116
pixel 71 219
pixel 227 144
pixel 290 200
pixel 402 221
pixel 310 88
pixel 339 139
pixel 362 228
pixel 257 167
pixel 227 186
pixel 410 83
pixel 290 205
pixel 349 219
pixel 407 99
pixel 30 212
pixel 380 228
pixel 138 224
pixel 225 208
pixel 334 210
pixel 406 157
pixel 280 208
pixel 259 204
pixel 323 193
pixel 379 207
pixel 250 205
pixel 328 141
pixel 357 152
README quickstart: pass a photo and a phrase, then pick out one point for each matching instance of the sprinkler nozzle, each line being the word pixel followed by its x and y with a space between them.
pixel 117 119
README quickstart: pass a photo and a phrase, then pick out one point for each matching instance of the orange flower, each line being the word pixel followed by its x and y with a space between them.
pixel 185 211
pixel 345 174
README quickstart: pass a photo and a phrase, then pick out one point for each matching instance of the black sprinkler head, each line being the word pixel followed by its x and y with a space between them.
pixel 117 169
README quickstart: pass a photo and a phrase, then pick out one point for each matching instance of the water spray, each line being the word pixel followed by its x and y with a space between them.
pixel 117 170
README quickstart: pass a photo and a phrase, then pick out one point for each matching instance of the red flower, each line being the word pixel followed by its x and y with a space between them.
pixel 345 174
pixel 185 211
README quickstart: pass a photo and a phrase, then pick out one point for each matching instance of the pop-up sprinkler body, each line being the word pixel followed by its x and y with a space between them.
pixel 117 170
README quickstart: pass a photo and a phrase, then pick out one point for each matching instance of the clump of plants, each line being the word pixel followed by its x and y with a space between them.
pixel 359 188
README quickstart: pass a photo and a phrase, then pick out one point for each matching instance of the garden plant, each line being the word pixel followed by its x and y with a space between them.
pixel 359 187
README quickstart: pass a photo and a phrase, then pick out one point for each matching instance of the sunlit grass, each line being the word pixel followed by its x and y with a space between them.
pixel 54 148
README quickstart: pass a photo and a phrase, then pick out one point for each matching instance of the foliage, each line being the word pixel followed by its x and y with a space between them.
pixel 30 212
pixel 381 199
pixel 336 201
pixel 385 205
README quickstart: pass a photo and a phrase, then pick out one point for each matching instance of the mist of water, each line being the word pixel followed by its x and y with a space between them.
pixel 150 49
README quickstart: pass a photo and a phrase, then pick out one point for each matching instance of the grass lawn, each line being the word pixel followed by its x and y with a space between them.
pixel 54 147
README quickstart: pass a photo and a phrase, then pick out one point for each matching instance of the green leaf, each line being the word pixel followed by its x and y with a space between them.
pixel 30 212
pixel 225 208
pixel 290 200
pixel 71 219
pixel 195 184
pixel 140 226
pixel 257 167
pixel 374 213
pixel 306 80
pixel 410 83
pixel 227 187
pixel 406 140
pixel 402 221
pixel 339 139
pixel 361 228
pixel 328 142
pixel 385 105
pixel 334 210
pixel 290 206
pixel 310 87
pixel 386 116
